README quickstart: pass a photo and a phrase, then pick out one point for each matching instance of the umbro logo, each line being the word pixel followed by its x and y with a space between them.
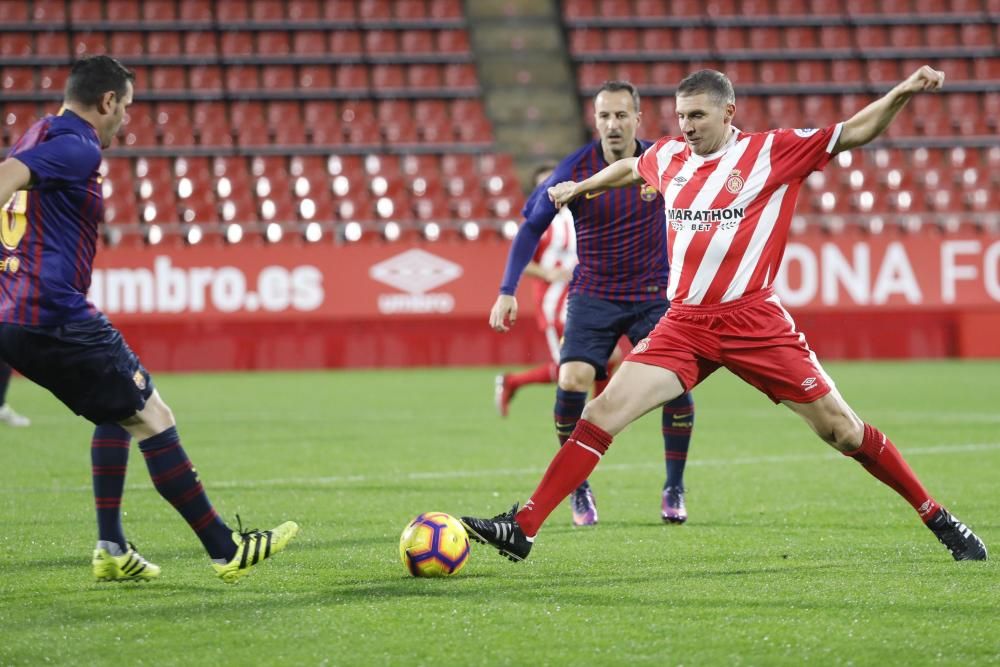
pixel 809 383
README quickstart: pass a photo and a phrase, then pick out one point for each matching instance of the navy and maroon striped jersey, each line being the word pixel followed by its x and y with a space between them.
pixel 621 235
pixel 49 232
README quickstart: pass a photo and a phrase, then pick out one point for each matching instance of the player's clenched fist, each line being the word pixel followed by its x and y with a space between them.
pixel 504 313
pixel 924 79
pixel 562 193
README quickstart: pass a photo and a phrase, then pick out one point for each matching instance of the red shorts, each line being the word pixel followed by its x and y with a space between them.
pixel 754 337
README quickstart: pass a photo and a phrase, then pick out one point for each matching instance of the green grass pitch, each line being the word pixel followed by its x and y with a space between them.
pixel 793 554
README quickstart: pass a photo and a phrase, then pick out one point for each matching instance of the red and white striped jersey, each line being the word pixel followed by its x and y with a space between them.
pixel 728 213
pixel 556 249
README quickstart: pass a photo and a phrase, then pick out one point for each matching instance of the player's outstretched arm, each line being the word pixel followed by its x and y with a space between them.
pixel 620 174
pixel 14 176
pixel 871 121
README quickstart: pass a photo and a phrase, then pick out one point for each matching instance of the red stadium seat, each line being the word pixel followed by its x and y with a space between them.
pixel 763 38
pixel 122 11
pixel 811 71
pixel 89 43
pixel 273 43
pixel 236 43
pixel 267 11
pixel 453 41
pixel 50 13
pixel 351 77
pixel 620 40
pixel 362 131
pixel 278 77
pixel 693 39
pixel 844 70
pixel 654 40
pixel 801 37
pixel 199 43
pixel 86 11
pixel 730 38
pixel 374 10
pixel 339 10
pixel 283 112
pixel 381 42
pixel 410 10
pixel 417 42
pixel 586 40
pixel 52 78
pixel 835 37
pixel 637 73
pixel 774 72
pixel 316 112
pixel 16 44
pixel 388 77
pixel 304 10
pixel 206 79
pixel 429 77
pixel 346 43
pixel 444 9
pixel 232 11
pixel 242 77
pixel 309 42
pixel 18 79
pixel 53 44
pixel 460 76
pixel 163 43
pixel 13 12
pixel 172 78
pixel 882 71
pixel 126 44
pixel 319 77
pixel 905 36
pixel 942 35
pixel 195 11
pixel 246 112
pixel 592 75
pixel 215 132
pixel 159 11
pixel 986 69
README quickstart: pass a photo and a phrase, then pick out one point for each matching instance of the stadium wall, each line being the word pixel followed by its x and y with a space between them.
pixel 383 304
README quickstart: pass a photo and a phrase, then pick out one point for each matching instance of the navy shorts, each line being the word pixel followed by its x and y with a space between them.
pixel 594 325
pixel 87 365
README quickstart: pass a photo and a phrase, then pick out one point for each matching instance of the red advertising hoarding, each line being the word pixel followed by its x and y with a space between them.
pixel 378 303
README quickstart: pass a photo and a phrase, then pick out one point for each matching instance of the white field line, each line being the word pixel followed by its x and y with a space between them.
pixel 396 478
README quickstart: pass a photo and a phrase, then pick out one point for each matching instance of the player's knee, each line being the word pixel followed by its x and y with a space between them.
pixel 597 410
pixel 573 377
pixel 843 432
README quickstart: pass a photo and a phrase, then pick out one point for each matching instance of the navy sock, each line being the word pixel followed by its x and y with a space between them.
pixel 569 407
pixel 177 481
pixel 108 459
pixel 678 420
pixel 5 372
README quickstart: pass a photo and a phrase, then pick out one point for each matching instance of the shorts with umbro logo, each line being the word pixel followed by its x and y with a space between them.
pixel 87 365
pixel 753 336
pixel 594 325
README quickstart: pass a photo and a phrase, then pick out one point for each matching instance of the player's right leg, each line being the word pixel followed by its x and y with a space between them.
pixel 233 553
pixel 633 391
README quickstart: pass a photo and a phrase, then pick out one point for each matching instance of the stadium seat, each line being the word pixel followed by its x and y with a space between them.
pixel 429 77
pixel 52 78
pixel 339 10
pixel 13 12
pixel 232 11
pixel 417 42
pixel 199 43
pixel 86 11
pixel 374 11
pixel 267 11
pixel 381 42
pixel 388 77
pixel 168 78
pixel 346 43
pixel 51 44
pixel 159 11
pixel 304 10
pixel 801 37
pixel 125 45
pixel 309 42
pixel 236 43
pixel 351 77
pixel 278 77
pixel 50 13
pixel 273 43
pixel 195 11
pixel 206 79
pixel 763 38
pixel 18 79
pixel 460 76
pixel 835 37
pixel 444 10
pixel 242 78
pixel 163 43
pixel 586 41
pixel 453 42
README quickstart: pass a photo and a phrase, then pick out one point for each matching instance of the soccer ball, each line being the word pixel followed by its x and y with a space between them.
pixel 434 544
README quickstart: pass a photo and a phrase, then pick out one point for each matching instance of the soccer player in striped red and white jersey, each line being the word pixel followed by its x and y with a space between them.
pixel 729 196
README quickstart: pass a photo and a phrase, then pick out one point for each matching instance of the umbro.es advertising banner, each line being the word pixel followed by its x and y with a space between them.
pixel 365 280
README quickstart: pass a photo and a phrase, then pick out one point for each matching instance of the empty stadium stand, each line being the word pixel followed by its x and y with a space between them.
pixel 251 112
pixel 806 63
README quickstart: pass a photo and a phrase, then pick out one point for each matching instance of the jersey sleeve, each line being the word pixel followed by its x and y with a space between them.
pixel 797 153
pixel 648 166
pixel 66 158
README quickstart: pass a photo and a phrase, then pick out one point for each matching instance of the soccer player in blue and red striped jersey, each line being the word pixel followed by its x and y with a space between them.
pixel 618 288
pixel 52 335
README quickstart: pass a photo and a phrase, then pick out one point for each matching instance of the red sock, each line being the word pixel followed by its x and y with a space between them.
pixel 544 374
pixel 571 466
pixel 881 458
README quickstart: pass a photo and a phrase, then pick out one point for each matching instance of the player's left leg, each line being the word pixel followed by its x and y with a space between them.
pixel 788 372
pixel 7 414
pixel 834 421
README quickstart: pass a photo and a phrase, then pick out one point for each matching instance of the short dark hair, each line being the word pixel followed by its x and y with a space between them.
pixel 618 86
pixel 91 77
pixel 716 84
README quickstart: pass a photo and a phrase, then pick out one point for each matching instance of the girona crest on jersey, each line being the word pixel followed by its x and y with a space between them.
pixel 735 182
pixel 648 193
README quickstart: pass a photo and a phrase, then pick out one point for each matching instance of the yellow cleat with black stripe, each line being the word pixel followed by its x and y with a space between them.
pixel 130 566
pixel 252 547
